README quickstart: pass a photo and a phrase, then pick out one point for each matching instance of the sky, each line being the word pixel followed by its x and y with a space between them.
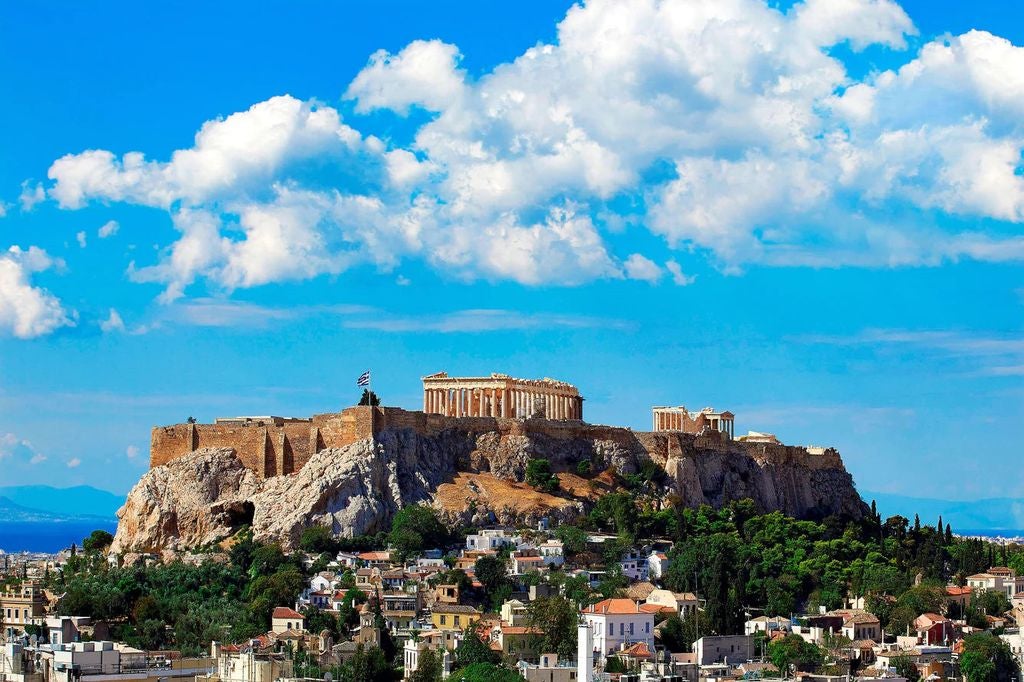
pixel 806 213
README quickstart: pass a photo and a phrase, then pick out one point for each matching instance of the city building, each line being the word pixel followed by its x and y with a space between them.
pixel 616 622
pixel 22 604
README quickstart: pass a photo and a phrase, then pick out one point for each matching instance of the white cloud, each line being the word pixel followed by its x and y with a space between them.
pixel 132 451
pixel 74 462
pixel 768 151
pixel 425 73
pixel 28 311
pixel 108 229
pixel 3 210
pixel 81 238
pixel 113 323
pixel 640 267
pixel 17 450
pixel 679 278
pixel 230 155
pixel 31 194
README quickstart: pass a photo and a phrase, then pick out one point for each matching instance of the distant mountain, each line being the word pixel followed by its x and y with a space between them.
pixel 76 502
pixel 989 514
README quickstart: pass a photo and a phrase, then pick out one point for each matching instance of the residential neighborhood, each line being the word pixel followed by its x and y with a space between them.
pixel 501 596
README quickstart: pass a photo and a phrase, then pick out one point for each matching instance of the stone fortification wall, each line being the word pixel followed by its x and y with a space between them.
pixel 270 449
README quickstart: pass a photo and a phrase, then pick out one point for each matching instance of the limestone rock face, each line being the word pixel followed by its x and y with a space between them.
pixel 470 476
pixel 191 501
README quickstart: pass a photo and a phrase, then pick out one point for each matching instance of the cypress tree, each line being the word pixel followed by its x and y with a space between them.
pixel 949 535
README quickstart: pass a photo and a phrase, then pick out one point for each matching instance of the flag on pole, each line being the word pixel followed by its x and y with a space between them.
pixel 364 379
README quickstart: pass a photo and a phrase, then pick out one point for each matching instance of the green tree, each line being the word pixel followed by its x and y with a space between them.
pixel 369 398
pixel 318 540
pixel 574 539
pixel 540 476
pixel 472 650
pixel 428 667
pixel 793 650
pixel 556 619
pixel 490 571
pixel 367 665
pixel 97 541
pixel 987 658
pixel 906 668
pixel 416 528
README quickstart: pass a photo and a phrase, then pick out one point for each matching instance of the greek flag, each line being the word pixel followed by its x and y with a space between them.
pixel 364 379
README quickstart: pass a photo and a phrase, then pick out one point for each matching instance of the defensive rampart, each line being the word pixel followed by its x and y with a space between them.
pixel 278 447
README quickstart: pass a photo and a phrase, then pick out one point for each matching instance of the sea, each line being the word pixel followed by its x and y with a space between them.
pixel 48 536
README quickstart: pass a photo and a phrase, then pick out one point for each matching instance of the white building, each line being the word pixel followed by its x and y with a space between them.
pixel 997 578
pixel 657 564
pixel 491 538
pixel 634 565
pixel 685 604
pixel 553 552
pixel 285 619
pixel 236 666
pixel 729 649
pixel 617 622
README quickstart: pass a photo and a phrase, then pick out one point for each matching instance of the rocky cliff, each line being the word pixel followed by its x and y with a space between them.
pixel 472 471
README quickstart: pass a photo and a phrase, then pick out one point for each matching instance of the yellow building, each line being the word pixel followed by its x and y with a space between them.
pixel 453 616
pixel 23 604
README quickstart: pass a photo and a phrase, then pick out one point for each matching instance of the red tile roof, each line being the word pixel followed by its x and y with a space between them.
pixel 285 612
pixel 613 606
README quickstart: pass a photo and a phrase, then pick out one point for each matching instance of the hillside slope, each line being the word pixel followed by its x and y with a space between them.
pixel 472 472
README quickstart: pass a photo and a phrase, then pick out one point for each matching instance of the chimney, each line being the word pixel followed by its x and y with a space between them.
pixel 584 653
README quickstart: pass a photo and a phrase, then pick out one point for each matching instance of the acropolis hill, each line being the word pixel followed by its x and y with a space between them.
pixel 466 454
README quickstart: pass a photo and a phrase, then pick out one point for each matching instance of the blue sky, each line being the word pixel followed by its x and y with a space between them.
pixel 807 213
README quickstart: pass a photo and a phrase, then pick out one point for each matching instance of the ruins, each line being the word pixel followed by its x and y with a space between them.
pixel 500 395
pixel 681 419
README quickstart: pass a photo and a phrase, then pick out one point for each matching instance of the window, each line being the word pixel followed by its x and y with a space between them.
pixel 444 620
pixel 647 626
pixel 611 628
pixel 457 620
pixel 630 628
pixel 622 629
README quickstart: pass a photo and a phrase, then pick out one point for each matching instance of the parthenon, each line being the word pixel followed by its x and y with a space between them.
pixel 500 395
pixel 681 419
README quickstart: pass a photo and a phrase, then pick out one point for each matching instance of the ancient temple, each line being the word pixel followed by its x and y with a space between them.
pixel 500 395
pixel 681 419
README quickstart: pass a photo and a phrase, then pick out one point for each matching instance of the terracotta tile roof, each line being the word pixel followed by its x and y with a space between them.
pixel 375 556
pixel 613 606
pixel 657 608
pixel 454 608
pixel 285 612
pixel 520 630
pixel 638 650
pixel 640 591
pixel 957 591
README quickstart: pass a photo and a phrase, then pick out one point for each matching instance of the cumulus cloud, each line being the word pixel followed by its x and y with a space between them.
pixel 679 278
pixel 727 128
pixel 28 311
pixel 640 267
pixel 113 323
pixel 74 462
pixel 81 238
pixel 31 194
pixel 108 229
pixel 17 450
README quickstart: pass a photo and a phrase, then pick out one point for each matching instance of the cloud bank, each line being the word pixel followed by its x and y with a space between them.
pixel 725 128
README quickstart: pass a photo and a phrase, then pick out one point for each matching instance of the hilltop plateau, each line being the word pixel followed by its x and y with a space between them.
pixel 473 471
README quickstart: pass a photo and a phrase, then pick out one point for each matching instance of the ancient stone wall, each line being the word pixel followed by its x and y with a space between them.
pixel 274 450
